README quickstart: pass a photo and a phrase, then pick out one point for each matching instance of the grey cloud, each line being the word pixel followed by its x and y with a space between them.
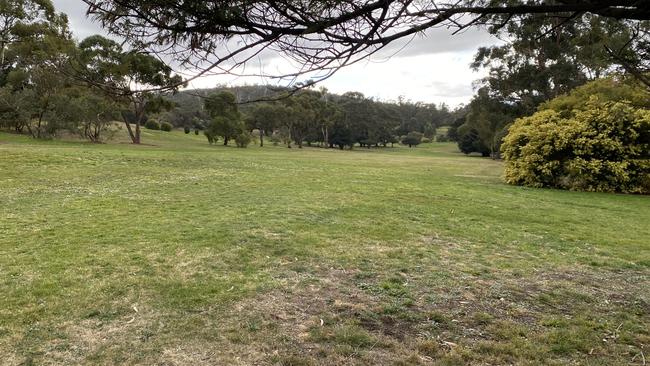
pixel 444 89
pixel 439 40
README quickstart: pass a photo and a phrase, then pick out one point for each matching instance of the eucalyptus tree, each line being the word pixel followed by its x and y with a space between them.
pixel 130 78
pixel 301 115
pixel 35 49
pixel 21 19
pixel 542 60
pixel 265 117
pixel 226 120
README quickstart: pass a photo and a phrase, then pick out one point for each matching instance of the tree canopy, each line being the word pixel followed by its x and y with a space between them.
pixel 324 35
pixel 126 77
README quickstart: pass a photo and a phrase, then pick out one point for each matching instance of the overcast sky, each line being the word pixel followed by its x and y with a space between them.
pixel 433 69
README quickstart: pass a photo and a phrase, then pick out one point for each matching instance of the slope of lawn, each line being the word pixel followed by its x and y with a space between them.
pixel 181 253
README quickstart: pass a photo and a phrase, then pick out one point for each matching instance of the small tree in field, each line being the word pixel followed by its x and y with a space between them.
pixel 166 126
pixel 243 139
pixel 226 119
pixel 152 125
pixel 412 139
pixel 265 117
pixel 90 114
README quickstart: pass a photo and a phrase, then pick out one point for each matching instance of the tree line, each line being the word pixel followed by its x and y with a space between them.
pixel 50 84
pixel 309 117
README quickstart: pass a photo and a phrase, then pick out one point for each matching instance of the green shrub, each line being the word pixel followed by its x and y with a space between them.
pixel 412 139
pixel 605 147
pixel 187 130
pixel 426 140
pixel 196 132
pixel 152 125
pixel 212 138
pixel 243 139
pixel 470 141
pixel 166 126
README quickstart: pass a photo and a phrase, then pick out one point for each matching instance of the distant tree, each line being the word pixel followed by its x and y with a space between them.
pixel 243 139
pixel 226 119
pixel 341 136
pixel 21 20
pixel 457 121
pixel 212 138
pixel 300 115
pixel 413 138
pixel 265 117
pixel 470 141
pixel 166 126
pixel 152 125
pixel 283 135
pixel 545 58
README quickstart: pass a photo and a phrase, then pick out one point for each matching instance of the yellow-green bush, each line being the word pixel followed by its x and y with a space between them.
pixel 603 146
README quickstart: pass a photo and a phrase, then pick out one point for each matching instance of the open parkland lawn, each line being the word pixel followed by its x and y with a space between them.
pixel 181 253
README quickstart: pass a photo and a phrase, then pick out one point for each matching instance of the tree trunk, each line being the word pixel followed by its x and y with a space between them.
pixel 137 133
pixel 2 53
pixel 261 138
pixel 38 126
pixel 128 128
pixel 225 141
pixel 325 135
pixel 139 116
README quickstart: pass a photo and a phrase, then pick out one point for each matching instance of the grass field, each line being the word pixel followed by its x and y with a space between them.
pixel 180 253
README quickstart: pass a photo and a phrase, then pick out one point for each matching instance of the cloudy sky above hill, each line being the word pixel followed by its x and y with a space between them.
pixel 432 68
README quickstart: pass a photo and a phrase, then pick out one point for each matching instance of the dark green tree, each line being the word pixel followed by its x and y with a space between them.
pixel 35 47
pixel 413 138
pixel 543 60
pixel 226 119
pixel 265 117
pixel 126 77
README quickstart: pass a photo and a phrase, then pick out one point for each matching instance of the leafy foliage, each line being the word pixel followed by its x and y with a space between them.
pixel 226 119
pixel 166 126
pixel 124 77
pixel 243 139
pixel 598 145
pixel 152 125
pixel 412 139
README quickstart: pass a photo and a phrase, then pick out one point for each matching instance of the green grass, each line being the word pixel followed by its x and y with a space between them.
pixel 180 253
